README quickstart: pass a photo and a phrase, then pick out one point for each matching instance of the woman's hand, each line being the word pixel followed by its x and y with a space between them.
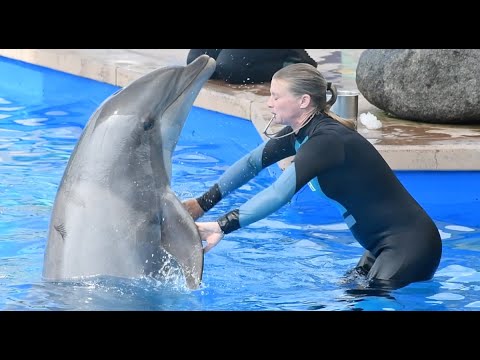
pixel 193 208
pixel 211 233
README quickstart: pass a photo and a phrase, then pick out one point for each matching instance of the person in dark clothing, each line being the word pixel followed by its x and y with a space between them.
pixel 402 243
pixel 251 66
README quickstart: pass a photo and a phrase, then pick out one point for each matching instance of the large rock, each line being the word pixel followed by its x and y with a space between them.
pixel 427 85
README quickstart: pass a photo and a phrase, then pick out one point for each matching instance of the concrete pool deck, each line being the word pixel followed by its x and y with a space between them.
pixel 406 145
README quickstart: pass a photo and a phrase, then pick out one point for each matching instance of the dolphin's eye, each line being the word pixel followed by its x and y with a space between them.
pixel 148 123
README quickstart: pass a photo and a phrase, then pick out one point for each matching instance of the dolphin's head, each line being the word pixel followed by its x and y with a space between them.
pixel 159 102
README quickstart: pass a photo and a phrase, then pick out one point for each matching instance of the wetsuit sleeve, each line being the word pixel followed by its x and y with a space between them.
pixel 245 169
pixel 263 204
pixel 235 176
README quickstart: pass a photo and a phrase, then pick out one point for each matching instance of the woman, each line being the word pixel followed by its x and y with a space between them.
pixel 250 66
pixel 402 243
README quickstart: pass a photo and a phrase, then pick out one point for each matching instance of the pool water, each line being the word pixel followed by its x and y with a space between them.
pixel 294 259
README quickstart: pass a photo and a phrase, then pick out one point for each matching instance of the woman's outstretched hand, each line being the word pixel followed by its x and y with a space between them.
pixel 211 233
pixel 193 208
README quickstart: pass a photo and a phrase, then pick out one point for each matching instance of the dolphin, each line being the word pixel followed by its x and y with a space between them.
pixel 115 213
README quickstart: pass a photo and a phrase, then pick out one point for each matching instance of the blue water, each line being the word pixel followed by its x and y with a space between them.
pixel 292 260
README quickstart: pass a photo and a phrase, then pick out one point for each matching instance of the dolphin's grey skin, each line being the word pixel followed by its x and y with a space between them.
pixel 115 212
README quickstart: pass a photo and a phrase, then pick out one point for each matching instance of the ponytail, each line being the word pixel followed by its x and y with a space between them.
pixel 352 124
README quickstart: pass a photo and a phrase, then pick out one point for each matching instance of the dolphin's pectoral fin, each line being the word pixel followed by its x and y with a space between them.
pixel 161 265
pixel 61 230
pixel 181 239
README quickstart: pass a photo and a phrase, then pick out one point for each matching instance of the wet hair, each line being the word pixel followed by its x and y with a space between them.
pixel 306 79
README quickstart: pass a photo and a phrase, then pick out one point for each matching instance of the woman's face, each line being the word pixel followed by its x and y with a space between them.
pixel 285 107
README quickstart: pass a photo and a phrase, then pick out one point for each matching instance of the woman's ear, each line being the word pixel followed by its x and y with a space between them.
pixel 304 101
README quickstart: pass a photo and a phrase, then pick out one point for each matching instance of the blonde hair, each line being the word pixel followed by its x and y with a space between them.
pixel 303 79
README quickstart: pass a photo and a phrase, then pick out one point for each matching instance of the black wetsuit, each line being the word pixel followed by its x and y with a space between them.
pixel 403 243
pixel 250 66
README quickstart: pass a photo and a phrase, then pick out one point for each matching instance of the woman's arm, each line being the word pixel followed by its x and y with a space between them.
pixel 240 173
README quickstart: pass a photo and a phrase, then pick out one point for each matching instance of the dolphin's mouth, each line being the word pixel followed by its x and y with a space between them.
pixel 206 64
pixel 198 72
